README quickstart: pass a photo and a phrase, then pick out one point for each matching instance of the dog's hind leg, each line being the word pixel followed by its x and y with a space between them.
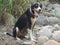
pixel 31 35
pixel 15 32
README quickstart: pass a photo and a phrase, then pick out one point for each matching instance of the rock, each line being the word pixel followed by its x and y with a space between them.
pixel 46 31
pixel 57 12
pixel 51 42
pixel 9 19
pixel 52 10
pixel 56 5
pixel 8 40
pixel 42 39
pixel 57 26
pixel 42 20
pixel 49 14
pixel 56 35
pixel 49 7
pixel 32 43
pixel 44 3
pixel 53 20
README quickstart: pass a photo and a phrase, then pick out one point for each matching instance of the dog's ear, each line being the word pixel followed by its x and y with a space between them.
pixel 32 4
pixel 32 7
pixel 40 5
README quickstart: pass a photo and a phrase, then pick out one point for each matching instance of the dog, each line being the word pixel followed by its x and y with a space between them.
pixel 27 22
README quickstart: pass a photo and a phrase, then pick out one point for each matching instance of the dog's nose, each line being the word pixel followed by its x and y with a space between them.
pixel 39 10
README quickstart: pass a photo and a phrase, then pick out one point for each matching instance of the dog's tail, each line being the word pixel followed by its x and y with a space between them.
pixel 8 34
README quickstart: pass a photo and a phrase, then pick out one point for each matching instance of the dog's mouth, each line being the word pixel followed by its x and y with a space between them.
pixel 39 11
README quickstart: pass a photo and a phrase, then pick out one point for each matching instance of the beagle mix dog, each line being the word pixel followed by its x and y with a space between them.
pixel 27 21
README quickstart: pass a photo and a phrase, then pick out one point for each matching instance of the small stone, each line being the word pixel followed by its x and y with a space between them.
pixel 42 39
pixel 56 35
pixel 51 42
pixel 46 31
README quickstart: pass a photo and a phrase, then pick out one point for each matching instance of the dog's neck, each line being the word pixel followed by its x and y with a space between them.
pixel 35 14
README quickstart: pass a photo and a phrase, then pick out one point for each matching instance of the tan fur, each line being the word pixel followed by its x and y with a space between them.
pixel 33 20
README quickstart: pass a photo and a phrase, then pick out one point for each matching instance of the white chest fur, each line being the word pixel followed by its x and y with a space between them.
pixel 33 20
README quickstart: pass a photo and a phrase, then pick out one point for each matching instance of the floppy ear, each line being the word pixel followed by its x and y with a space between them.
pixel 32 7
pixel 40 5
pixel 32 11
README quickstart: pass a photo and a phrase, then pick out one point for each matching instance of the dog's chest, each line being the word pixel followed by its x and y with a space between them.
pixel 33 20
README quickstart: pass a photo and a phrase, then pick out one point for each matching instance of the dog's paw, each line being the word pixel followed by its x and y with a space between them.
pixel 33 40
pixel 18 38
pixel 34 37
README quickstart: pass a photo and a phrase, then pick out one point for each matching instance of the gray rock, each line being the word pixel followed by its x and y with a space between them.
pixel 42 39
pixel 46 31
pixel 49 14
pixel 57 12
pixel 49 7
pixel 56 35
pixel 57 27
pixel 56 5
pixel 44 3
pixel 51 42
pixel 9 19
pixel 53 20
pixel 8 40
pixel 44 20
pixel 41 20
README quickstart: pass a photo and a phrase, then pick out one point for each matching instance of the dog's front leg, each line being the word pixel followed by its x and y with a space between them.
pixel 31 35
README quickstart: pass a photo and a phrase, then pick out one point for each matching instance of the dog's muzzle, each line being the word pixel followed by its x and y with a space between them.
pixel 39 11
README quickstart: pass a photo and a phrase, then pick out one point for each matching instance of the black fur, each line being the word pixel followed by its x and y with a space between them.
pixel 24 21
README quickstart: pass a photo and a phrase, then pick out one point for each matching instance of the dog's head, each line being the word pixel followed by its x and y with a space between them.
pixel 36 8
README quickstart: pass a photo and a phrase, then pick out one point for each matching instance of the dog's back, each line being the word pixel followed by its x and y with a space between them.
pixel 26 21
pixel 22 24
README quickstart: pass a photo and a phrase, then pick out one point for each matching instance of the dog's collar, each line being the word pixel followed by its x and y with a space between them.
pixel 32 13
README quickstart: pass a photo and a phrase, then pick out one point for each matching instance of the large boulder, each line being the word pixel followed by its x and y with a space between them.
pixel 9 19
pixel 53 20
pixel 46 31
pixel 44 20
